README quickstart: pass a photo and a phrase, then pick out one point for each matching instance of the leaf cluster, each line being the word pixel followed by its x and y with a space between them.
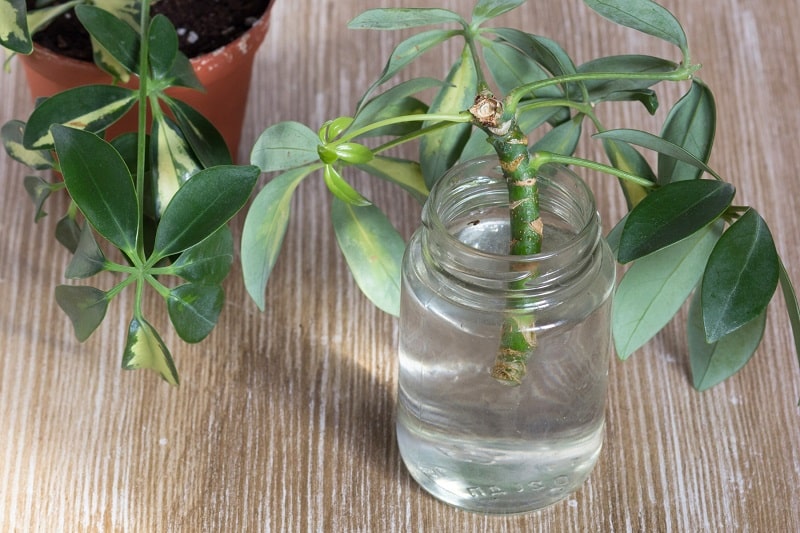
pixel 162 200
pixel 684 237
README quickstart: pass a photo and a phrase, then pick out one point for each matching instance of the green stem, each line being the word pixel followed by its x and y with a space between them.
pixel 679 74
pixel 142 122
pixel 438 117
pixel 518 338
pixel 542 158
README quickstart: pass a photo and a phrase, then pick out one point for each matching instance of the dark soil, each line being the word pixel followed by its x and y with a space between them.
pixel 202 25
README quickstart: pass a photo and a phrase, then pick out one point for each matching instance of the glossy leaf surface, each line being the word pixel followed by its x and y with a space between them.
pixel 116 37
pixel 741 276
pixel 98 180
pixel 203 205
pixel 671 213
pixel 340 188
pixel 373 249
pixel 92 108
pixel 163 47
pixel 206 141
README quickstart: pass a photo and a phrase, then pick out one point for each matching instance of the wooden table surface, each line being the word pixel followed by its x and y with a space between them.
pixel 284 419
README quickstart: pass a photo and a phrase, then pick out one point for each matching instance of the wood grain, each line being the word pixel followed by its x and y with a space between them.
pixel 284 419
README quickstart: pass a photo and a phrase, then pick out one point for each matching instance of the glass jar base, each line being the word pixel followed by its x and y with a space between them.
pixel 485 478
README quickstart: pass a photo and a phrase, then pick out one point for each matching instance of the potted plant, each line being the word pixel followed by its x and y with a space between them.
pixel 504 293
pixel 159 197
pixel 220 40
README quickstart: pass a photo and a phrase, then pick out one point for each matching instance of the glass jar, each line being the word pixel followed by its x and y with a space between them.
pixel 468 438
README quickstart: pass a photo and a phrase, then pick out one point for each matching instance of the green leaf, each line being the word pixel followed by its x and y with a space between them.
pixel 163 47
pixel 264 229
pixel 194 309
pixel 14 33
pixel 206 141
pixel 563 139
pixel 406 52
pixel 373 250
pixel 99 182
pixel 402 18
pixel 477 146
pixel 209 261
pixel 543 51
pixel 68 233
pixel 39 191
pixel 622 64
pixel 85 307
pixel 671 213
pixel 646 97
pixel 92 108
pixel 341 189
pixel 792 307
pixel 145 349
pixel 654 288
pixel 488 9
pixel 173 161
pixel 169 64
pixel 712 363
pixel 657 144
pixel 88 259
pixel 642 15
pixel 407 174
pixel 440 149
pixel 392 103
pixel 203 205
pixel 285 145
pixel 691 124
pixel 116 37
pixel 741 276
pixel 511 68
pixel 624 157
pixel 12 134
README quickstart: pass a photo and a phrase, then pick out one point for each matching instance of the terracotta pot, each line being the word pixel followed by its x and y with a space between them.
pixel 225 73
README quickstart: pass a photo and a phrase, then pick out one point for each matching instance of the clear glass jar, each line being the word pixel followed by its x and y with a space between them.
pixel 467 438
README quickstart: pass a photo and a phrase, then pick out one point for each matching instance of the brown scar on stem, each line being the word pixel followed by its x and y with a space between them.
pixel 537 226
pixel 512 165
pixel 515 204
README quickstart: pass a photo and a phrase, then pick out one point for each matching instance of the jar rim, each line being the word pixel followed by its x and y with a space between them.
pixel 488 169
